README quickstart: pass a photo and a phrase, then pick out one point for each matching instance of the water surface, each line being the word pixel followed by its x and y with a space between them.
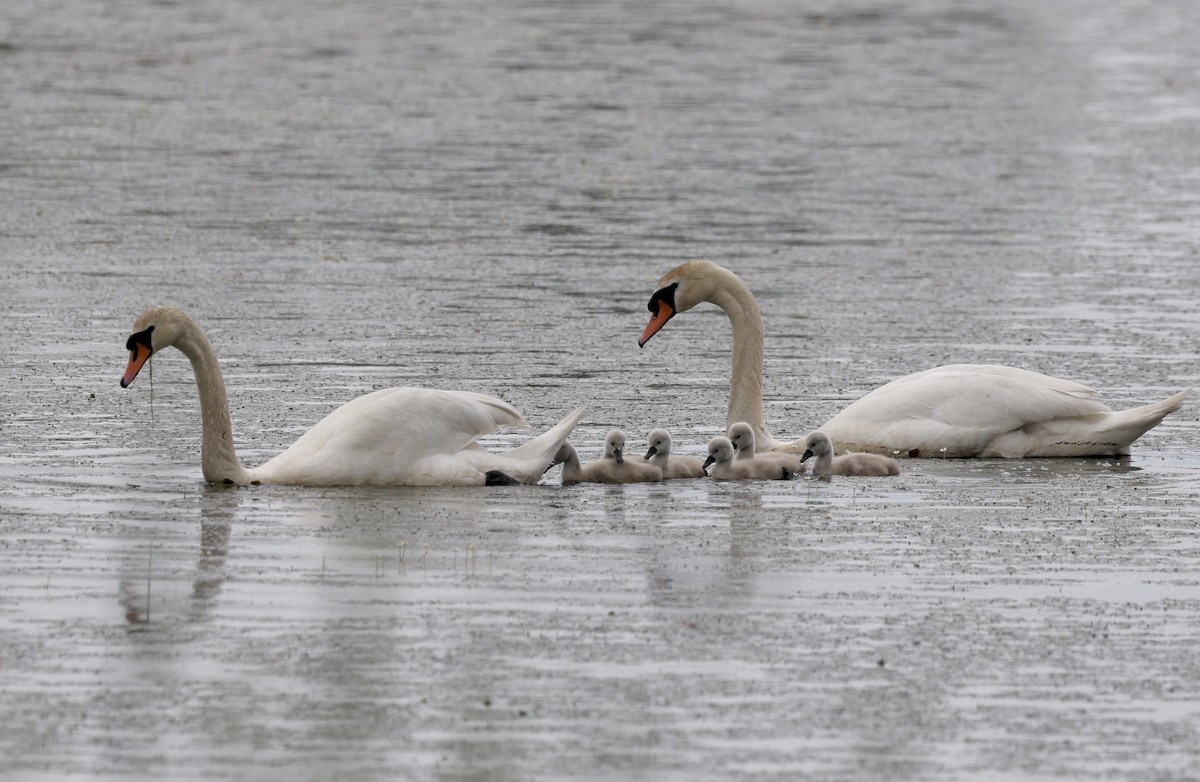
pixel 481 196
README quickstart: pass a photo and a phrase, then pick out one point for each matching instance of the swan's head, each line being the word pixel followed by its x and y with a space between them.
pixel 660 442
pixel 817 444
pixel 614 445
pixel 155 329
pixel 720 451
pixel 682 288
pixel 741 435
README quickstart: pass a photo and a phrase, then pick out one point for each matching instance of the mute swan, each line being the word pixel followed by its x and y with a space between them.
pixel 672 466
pixel 961 410
pixel 612 468
pixel 819 445
pixel 397 436
pixel 741 435
pixel 723 467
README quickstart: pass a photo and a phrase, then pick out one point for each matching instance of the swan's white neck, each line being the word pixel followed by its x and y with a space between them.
pixel 218 458
pixel 746 379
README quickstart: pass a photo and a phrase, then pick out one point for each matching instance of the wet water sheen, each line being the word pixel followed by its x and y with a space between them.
pixel 481 196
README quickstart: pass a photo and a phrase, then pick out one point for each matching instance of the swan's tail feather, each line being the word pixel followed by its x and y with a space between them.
pixel 540 451
pixel 1128 425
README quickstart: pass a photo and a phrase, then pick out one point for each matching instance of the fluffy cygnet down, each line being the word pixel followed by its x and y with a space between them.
pixel 741 435
pixel 673 467
pixel 612 468
pixel 819 445
pixel 722 466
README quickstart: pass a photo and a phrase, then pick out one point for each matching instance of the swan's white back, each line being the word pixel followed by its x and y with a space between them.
pixel 989 411
pixel 412 436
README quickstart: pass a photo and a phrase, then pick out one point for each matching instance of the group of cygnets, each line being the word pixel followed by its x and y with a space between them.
pixel 730 458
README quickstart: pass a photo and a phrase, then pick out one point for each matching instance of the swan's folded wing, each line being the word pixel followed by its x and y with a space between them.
pixel 389 435
pixel 956 410
pixel 998 373
pixel 423 419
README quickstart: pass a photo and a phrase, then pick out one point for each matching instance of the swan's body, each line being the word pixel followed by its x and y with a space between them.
pixel 963 410
pixel 723 467
pixel 612 468
pixel 672 466
pixel 741 435
pixel 396 436
pixel 819 445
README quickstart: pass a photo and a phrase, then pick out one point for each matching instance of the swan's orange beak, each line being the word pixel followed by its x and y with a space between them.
pixel 139 354
pixel 662 313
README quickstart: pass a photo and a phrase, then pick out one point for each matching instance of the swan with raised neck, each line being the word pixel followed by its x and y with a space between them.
pixel 395 436
pixel 696 282
pixel 960 410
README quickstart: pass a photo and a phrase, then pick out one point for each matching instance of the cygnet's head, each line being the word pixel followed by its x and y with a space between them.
pixel 565 452
pixel 817 444
pixel 614 445
pixel 720 451
pixel 660 442
pixel 741 435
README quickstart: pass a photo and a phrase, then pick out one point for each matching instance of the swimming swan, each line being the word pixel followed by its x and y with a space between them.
pixel 818 444
pixel 397 436
pixel 723 467
pixel 612 468
pixel 672 466
pixel 961 410
pixel 741 435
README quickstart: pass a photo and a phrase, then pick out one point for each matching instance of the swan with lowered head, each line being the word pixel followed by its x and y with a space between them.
pixel 672 466
pixel 961 410
pixel 741 435
pixel 612 468
pixel 393 437
pixel 723 467
pixel 819 445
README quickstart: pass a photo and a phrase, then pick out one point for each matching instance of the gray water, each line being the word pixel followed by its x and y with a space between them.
pixel 481 196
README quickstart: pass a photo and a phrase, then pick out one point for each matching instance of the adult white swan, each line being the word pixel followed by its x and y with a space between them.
pixel 962 410
pixel 393 437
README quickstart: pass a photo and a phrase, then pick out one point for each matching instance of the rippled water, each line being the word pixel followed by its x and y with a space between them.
pixel 482 196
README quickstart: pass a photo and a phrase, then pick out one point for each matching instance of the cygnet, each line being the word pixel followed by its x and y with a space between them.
pixel 612 468
pixel 819 445
pixel 722 466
